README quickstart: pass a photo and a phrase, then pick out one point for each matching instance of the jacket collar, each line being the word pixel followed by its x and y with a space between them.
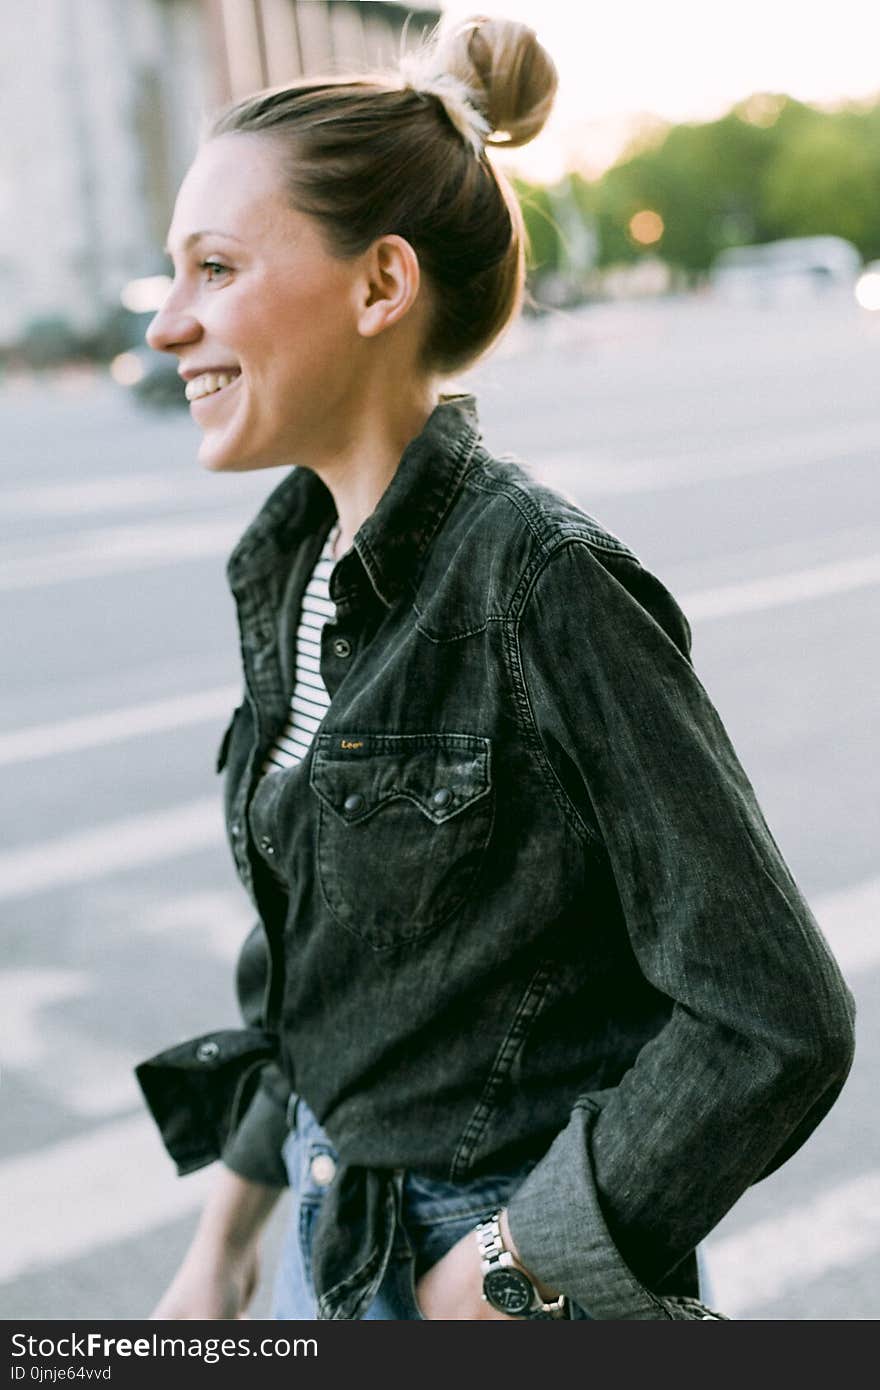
pixel 399 530
pixel 393 538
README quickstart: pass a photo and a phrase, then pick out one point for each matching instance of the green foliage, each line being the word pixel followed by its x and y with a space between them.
pixel 541 228
pixel 827 180
pixel 771 167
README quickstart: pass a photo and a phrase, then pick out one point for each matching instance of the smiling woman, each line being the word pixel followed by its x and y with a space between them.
pixel 265 321
pixel 532 997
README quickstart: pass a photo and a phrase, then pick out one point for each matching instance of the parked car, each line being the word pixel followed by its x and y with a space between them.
pixel 794 267
pixel 151 376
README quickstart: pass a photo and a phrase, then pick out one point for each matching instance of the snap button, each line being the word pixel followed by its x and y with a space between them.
pixel 442 796
pixel 354 802
pixel 235 828
pixel 341 646
pixel 266 845
pixel 322 1169
pixel 207 1052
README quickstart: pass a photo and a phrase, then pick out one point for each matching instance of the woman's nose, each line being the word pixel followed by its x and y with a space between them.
pixel 172 326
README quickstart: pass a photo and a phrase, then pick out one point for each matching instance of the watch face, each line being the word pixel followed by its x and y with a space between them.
pixel 509 1291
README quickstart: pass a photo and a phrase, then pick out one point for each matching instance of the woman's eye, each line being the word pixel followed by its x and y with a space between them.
pixel 218 266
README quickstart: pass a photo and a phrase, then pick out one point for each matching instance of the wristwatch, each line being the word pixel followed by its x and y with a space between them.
pixel 507 1287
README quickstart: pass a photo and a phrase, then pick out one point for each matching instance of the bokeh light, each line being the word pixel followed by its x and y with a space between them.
pixel 646 227
pixel 126 369
pixel 868 290
pixel 146 295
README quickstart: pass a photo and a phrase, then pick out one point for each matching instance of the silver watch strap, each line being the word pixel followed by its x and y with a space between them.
pixel 495 1255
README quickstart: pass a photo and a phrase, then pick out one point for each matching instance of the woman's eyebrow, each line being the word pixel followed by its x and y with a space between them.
pixel 193 237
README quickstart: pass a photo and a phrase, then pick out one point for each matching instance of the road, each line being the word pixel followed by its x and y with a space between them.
pixel 734 449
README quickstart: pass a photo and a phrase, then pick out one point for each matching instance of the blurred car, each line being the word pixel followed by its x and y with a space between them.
pixel 150 376
pixel 792 268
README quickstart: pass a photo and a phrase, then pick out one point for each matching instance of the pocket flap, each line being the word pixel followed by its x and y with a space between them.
pixel 354 773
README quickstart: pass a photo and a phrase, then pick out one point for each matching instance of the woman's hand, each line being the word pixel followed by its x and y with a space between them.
pixel 220 1271
pixel 453 1287
pixel 210 1285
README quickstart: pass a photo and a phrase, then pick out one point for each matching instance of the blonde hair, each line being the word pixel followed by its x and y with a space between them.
pixel 404 151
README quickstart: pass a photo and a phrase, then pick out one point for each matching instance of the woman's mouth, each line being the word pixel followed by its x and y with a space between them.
pixel 210 384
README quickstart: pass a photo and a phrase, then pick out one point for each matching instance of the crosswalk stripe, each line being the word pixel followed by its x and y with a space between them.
pixel 72 1198
pixel 832 1230
pixel 111 726
pixel 688 467
pixel 849 920
pixel 119 549
pixel 846 916
pixel 795 586
pixel 127 843
pixel 120 492
pixel 102 1187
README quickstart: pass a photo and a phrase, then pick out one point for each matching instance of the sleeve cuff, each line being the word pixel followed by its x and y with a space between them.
pixel 254 1150
pixel 561 1236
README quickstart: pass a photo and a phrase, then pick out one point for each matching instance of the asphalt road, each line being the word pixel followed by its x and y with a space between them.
pixel 735 450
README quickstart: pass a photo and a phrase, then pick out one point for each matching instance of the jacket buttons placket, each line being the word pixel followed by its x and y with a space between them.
pixel 341 646
pixel 441 797
pixel 207 1052
pixel 322 1169
pixel 353 803
pixel 266 845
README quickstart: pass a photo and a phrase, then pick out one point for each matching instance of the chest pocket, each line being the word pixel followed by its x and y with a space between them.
pixel 403 825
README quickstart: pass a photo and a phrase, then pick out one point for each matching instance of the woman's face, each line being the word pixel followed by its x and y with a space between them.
pixel 258 303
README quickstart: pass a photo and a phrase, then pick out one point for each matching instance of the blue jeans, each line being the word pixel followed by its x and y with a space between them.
pixel 433 1216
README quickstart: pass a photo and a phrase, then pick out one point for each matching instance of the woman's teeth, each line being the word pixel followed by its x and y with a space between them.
pixel 208 383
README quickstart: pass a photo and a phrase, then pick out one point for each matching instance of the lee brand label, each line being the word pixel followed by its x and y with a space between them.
pixel 351 743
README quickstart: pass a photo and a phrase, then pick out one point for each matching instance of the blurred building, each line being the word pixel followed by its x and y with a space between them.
pixel 101 102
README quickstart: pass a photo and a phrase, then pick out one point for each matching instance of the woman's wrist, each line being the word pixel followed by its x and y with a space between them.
pixel 235 1214
pixel 548 1294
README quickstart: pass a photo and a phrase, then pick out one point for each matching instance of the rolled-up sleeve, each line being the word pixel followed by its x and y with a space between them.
pixel 223 1094
pixel 759 1039
pixel 254 1148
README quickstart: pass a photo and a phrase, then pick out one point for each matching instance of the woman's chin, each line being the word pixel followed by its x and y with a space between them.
pixel 228 453
pixel 221 456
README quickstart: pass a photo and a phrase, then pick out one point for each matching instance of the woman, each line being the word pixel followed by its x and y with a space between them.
pixel 532 997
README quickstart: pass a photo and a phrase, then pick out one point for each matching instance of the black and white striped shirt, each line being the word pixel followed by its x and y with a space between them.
pixel 310 698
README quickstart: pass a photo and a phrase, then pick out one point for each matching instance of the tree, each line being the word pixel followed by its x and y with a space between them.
pixel 826 180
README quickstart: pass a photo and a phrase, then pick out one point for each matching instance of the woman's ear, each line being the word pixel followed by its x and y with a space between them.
pixel 388 286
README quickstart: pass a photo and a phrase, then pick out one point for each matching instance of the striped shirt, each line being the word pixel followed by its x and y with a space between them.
pixel 310 699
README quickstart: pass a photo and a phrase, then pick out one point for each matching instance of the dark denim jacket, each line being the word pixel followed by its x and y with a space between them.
pixel 519 901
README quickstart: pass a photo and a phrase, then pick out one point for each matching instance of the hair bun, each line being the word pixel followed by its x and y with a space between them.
pixel 511 75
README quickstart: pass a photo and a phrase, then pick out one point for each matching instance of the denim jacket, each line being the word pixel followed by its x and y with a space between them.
pixel 517 905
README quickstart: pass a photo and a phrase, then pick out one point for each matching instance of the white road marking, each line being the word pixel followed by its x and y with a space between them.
pixel 847 917
pixel 111 726
pixel 795 586
pixel 125 491
pixel 69 1200
pixel 126 843
pixel 707 462
pixel 118 549
pixel 216 921
pixel 24 995
pixel 850 920
pixel 72 1198
pixel 79 1073
pixel 836 1228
